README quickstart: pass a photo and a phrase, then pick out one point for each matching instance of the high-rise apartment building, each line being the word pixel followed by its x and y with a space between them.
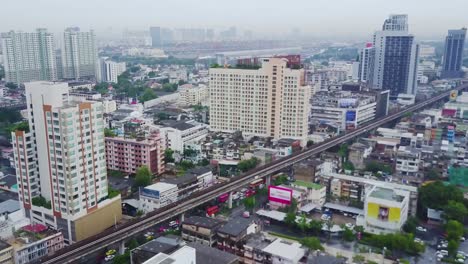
pixel 366 63
pixel 109 71
pixel 29 56
pixel 453 54
pixel 272 101
pixel 156 38
pixel 79 54
pixel 396 57
pixel 61 163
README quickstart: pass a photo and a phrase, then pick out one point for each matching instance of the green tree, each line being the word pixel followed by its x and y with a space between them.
pixel 315 227
pixel 452 247
pixel 290 219
pixel 11 85
pixel 348 235
pixel 410 225
pixel 374 167
pixel 109 132
pixel 148 94
pixel 168 155
pixel 436 196
pixel 454 230
pixel 186 165
pixel 343 151
pixel 102 88
pixel 122 259
pixel 111 192
pixel 455 211
pixel 143 176
pixel 282 179
pixel 133 244
pixel 359 259
pixel 348 165
pixel 310 143
pixel 204 162
pixel 246 165
pixel 189 152
pixel 312 243
pixel 249 203
pixel 151 74
pixel 302 223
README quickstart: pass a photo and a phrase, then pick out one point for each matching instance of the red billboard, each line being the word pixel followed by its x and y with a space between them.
pixel 279 194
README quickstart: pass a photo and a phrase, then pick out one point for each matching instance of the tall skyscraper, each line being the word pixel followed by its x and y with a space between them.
pixel 61 165
pixel 272 101
pixel 29 56
pixel 79 54
pixel 366 63
pixel 453 54
pixel 396 57
pixel 156 40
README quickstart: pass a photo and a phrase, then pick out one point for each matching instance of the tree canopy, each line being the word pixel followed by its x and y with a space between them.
pixel 246 165
pixel 312 243
pixel 455 211
pixel 143 176
pixel 436 195
pixel 148 94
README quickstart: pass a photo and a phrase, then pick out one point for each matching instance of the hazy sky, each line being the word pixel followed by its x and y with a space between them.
pixel 321 18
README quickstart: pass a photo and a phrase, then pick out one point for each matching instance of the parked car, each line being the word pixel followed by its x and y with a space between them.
pixel 173 224
pixel 421 229
pixel 109 258
pixel 325 217
pixel 111 252
pixel 246 214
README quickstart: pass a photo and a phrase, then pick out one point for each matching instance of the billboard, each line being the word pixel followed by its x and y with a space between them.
pixel 149 193
pixel 449 112
pixel 347 102
pixel 350 116
pixel 279 194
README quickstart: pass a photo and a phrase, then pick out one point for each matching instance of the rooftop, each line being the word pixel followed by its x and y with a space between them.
pixel 309 185
pixel 180 125
pixel 9 206
pixel 387 194
pixel 202 221
pixel 209 255
pixel 187 178
pixel 4 245
pixel 285 249
pixel 160 186
pixel 235 226
pixel 156 246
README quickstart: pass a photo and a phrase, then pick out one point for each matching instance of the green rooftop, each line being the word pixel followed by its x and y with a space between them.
pixel 458 176
pixel 309 185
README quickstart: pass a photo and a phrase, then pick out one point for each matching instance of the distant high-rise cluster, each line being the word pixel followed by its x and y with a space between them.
pixel 453 54
pixel 161 37
pixel 79 54
pixel 29 56
pixel 34 57
pixel 392 60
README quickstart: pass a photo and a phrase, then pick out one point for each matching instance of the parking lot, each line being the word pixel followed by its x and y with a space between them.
pixel 337 218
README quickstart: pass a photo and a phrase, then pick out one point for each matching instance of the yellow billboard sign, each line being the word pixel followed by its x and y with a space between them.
pixel 453 95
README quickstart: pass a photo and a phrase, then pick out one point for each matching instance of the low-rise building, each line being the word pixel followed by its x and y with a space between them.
pixel 407 161
pixel 385 210
pixel 343 109
pixel 176 134
pixel 34 242
pixel 315 194
pixel 158 195
pixel 190 95
pixel 284 252
pixel 129 154
pixel 232 235
pixel 201 229
pixel 7 254
pixel 358 152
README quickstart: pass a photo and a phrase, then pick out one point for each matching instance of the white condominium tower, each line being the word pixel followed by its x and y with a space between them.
pixel 79 54
pixel 29 56
pixel 109 71
pixel 271 101
pixel 61 165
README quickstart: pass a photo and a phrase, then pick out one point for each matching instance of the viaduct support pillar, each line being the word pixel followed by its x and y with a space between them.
pixel 181 218
pixel 268 180
pixel 230 200
pixel 122 247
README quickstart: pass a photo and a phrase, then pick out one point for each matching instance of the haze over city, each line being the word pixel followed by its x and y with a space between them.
pixel 321 19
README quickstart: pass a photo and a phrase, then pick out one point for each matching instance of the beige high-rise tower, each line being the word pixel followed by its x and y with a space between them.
pixel 271 101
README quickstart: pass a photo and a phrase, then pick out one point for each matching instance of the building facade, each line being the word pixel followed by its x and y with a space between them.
pixel 272 101
pixel 109 71
pixel 33 250
pixel 176 135
pixel 29 56
pixel 79 54
pixel 385 210
pixel 158 195
pixel 61 160
pixel 366 63
pixel 396 57
pixel 453 54
pixel 190 95
pixel 129 154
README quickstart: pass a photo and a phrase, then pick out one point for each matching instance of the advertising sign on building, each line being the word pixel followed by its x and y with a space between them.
pixel 350 116
pixel 279 194
pixel 453 95
pixel 149 193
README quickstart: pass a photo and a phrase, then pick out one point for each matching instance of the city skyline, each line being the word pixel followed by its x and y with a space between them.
pixel 260 16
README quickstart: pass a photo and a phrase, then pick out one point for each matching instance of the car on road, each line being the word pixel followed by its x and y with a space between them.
pixel 111 252
pixel 109 258
pixel 349 226
pixel 421 229
pixel 443 252
pixel 442 246
pixel 462 239
pixel 461 253
pixel 460 260
pixel 173 224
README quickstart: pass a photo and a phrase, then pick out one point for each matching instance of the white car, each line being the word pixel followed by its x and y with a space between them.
pixel 349 225
pixel 443 252
pixel 109 258
pixel 462 239
pixel 325 217
pixel 421 229
pixel 460 260
pixel 461 253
